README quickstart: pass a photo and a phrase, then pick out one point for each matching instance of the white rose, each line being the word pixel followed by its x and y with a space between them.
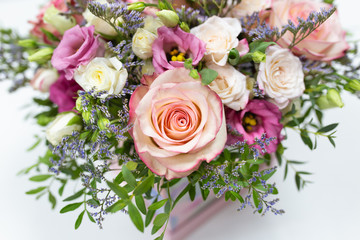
pixel 230 85
pixel 105 74
pixel 220 36
pixel 62 23
pixel 59 128
pixel 152 24
pixel 142 43
pixel 281 76
pixel 100 25
pixel 43 79
pixel 248 7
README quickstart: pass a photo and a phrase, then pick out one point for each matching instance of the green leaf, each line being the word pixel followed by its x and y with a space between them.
pixel 119 178
pixel 149 216
pixel 79 220
pixel 328 128
pixel 120 191
pixel 260 46
pixel 161 237
pixel 131 165
pixel 298 181
pixel 75 196
pixel 76 120
pixel 128 176
pixel 38 141
pixel 331 141
pixel 155 229
pixel 183 192
pixel 237 195
pixel 234 57
pixel 208 75
pixel 306 139
pixel 188 64
pixel 204 193
pixel 49 35
pixel 256 198
pixel 267 176
pixel 140 203
pixel 119 205
pixel 257 161
pixel 71 207
pixel 144 186
pixel 135 217
pixel 286 170
pixel 192 192
pixel 40 178
pixel 157 205
pixel 52 200
pixel 90 217
pixel 36 190
pixel 160 219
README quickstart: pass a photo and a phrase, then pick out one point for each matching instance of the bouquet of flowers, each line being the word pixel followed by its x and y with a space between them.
pixel 139 97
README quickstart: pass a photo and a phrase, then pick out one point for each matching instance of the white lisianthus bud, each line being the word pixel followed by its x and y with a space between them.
pixel 142 42
pixel 100 25
pixel 281 76
pixel 230 85
pixel 59 128
pixel 62 23
pixel 105 74
pixel 168 17
pixel 43 79
pixel 152 24
pixel 148 68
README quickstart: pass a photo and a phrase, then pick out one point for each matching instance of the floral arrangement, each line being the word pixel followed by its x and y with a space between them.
pixel 139 96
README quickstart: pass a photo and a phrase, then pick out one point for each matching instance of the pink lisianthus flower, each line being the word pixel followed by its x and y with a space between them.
pixel 78 47
pixel 183 43
pixel 64 92
pixel 258 117
pixel 177 123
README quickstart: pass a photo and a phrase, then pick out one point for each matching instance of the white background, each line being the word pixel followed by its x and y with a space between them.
pixel 328 209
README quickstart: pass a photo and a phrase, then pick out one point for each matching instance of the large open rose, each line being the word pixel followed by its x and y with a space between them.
pixel 178 123
pixel 326 43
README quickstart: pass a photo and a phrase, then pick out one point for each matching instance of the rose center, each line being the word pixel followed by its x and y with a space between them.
pixel 249 122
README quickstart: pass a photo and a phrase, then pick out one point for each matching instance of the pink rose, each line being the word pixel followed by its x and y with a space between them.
pixel 258 117
pixel 326 43
pixel 177 124
pixel 64 92
pixel 78 47
pixel 174 42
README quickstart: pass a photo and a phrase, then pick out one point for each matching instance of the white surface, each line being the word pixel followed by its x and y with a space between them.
pixel 327 209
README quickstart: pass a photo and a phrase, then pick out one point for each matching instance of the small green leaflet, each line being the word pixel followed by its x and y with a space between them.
pixel 328 128
pixel 161 219
pixel 70 207
pixel 157 205
pixel 120 191
pixel 208 75
pixel 128 176
pixel 144 186
pixel 135 217
pixel 35 191
pixel 75 196
pixel 40 178
pixel 79 220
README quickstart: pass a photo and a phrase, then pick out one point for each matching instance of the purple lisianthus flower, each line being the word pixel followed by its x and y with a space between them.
pixel 175 43
pixel 258 117
pixel 64 92
pixel 78 47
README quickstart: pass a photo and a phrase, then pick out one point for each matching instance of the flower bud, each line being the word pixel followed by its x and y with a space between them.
pixel 86 116
pixel 41 56
pixel 184 27
pixel 323 102
pixel 59 128
pixel 142 43
pixel 258 57
pixel 354 85
pixel 27 43
pixel 43 79
pixel 334 98
pixel 168 17
pixel 62 23
pixel 100 25
pixel 148 68
pixel 103 123
pixel 136 6
pixel 152 24
pixel 78 104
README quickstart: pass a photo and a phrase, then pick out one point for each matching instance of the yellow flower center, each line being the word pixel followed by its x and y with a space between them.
pixel 176 55
pixel 249 122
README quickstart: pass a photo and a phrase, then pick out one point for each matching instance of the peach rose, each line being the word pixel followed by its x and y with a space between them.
pixel 177 123
pixel 248 7
pixel 326 43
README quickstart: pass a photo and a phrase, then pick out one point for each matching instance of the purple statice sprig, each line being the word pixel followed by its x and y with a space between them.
pixel 301 30
pixel 192 17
